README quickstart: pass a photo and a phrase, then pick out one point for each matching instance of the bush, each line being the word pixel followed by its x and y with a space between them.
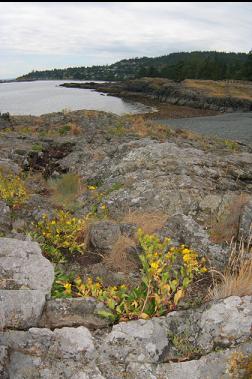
pixel 61 235
pixel 166 273
pixel 64 130
pixel 65 190
pixel 12 190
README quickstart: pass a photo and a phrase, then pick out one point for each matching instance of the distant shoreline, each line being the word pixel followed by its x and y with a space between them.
pixel 201 95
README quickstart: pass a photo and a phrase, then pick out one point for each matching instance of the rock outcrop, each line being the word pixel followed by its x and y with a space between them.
pixel 73 312
pixel 26 280
pixel 135 348
pixel 60 344
pixel 168 91
pixel 193 182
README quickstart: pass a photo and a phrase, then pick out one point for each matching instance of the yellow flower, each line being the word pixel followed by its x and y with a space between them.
pixel 103 206
pixel 185 251
pixel 204 269
pixel 92 188
pixel 186 258
pixel 53 222
pixel 68 288
pixel 154 265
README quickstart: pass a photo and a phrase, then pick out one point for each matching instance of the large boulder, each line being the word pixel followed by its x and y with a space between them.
pixel 26 280
pixel 42 353
pixel 180 334
pixel 74 312
pixel 104 234
pixel 22 266
pixel 20 309
pixel 186 231
pixel 142 341
pixel 157 348
pixel 225 364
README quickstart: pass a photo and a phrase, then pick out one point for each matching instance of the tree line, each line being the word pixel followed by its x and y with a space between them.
pixel 209 65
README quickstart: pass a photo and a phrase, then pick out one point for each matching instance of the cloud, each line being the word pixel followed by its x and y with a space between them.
pixel 104 32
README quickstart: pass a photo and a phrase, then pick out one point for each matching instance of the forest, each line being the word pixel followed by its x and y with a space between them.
pixel 209 65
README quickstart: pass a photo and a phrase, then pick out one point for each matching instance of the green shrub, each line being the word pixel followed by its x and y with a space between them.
pixel 60 236
pixel 166 273
pixel 12 190
pixel 65 190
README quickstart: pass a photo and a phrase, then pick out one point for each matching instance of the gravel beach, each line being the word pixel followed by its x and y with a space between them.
pixel 233 126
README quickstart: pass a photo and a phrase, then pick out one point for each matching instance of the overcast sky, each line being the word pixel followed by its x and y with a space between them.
pixel 47 35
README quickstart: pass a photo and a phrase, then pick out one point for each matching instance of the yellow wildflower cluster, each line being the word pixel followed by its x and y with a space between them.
pixel 166 273
pixel 12 190
pixel 92 188
pixel 63 233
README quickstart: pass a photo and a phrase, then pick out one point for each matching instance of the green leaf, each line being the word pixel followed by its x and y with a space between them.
pixel 186 282
pixel 109 315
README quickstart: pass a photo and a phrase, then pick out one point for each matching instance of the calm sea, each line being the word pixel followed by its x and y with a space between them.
pixel 39 97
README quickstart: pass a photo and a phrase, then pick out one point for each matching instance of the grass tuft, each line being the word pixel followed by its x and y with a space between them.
pixel 237 277
pixel 65 190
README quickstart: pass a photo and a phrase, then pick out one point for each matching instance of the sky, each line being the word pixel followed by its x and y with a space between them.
pixel 43 35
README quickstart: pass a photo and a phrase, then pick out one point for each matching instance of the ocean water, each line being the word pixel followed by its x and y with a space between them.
pixel 40 97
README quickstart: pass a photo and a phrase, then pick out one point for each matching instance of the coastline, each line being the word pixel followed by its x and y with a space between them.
pixel 198 96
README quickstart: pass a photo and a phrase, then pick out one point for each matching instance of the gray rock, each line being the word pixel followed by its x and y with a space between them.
pixel 5 217
pixel 24 366
pixel 199 332
pixel 19 225
pixel 186 231
pixel 141 341
pixel 245 226
pixel 22 266
pixel 72 342
pixel 226 323
pixel 104 234
pixel 26 278
pixel 41 353
pixel 212 366
pixel 73 312
pixel 3 362
pixel 5 121
pixel 217 365
pixel 135 349
pixel 7 166
pixel 20 309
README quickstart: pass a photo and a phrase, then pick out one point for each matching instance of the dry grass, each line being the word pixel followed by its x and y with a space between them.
pixel 119 258
pixel 98 155
pixel 144 128
pixel 224 228
pixel 237 277
pixel 241 90
pixel 190 135
pixel 74 129
pixel 149 222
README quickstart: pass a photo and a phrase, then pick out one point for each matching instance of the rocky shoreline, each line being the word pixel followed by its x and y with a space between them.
pixel 168 91
pixel 120 174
